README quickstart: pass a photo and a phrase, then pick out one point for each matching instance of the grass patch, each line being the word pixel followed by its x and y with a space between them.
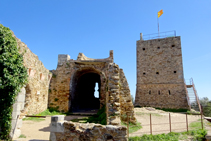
pixel 195 125
pixel 160 137
pixel 132 127
pixel 34 119
pixel 22 136
pixel 197 135
pixel 81 120
pixel 50 112
pixel 47 112
pixel 153 114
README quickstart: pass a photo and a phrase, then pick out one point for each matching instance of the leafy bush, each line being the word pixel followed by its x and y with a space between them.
pixel 206 106
pixel 13 76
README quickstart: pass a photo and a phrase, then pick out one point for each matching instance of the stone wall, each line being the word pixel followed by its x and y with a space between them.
pixel 69 131
pixel 160 80
pixel 39 77
pixel 16 118
pixel 112 86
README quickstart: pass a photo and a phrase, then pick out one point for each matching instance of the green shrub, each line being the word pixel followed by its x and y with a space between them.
pixel 54 76
pixel 13 76
pixel 99 118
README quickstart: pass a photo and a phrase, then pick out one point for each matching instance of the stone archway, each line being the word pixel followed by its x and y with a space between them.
pixel 83 89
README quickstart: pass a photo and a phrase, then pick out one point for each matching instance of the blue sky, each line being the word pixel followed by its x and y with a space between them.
pixel 93 27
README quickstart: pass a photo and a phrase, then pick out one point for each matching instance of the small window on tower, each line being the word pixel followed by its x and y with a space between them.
pixel 144 73
pixel 158 47
pixel 169 92
pixel 175 71
pixel 157 72
pixel 150 92
pixel 159 92
pixel 173 46
pixel 143 48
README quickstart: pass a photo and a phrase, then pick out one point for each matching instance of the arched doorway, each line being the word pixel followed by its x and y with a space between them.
pixel 83 95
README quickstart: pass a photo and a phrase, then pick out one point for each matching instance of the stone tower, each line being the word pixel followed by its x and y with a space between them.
pixel 160 80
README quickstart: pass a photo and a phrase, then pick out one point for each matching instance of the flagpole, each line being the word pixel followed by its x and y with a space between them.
pixel 158 28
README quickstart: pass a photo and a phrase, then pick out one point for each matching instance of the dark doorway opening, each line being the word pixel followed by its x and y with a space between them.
pixel 86 96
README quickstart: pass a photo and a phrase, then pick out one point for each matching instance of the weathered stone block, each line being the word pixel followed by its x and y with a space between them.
pixel 57 127
pixel 57 118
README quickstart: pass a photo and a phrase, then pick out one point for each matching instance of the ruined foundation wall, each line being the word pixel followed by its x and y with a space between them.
pixel 67 130
pixel 160 80
pixel 36 99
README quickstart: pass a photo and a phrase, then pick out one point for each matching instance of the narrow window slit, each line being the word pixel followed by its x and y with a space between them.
pixel 169 92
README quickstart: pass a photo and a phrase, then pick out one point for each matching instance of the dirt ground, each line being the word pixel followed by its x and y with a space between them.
pixel 160 121
pixel 40 131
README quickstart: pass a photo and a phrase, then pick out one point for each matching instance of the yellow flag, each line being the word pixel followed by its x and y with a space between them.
pixel 160 13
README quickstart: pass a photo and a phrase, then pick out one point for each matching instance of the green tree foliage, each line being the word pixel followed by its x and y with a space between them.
pixel 206 106
pixel 13 75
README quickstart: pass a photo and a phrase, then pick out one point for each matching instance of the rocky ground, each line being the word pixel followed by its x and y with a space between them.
pixel 40 131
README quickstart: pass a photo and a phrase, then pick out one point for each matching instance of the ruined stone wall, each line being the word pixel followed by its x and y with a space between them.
pixel 67 130
pixel 64 80
pixel 160 80
pixel 126 103
pixel 113 87
pixel 39 77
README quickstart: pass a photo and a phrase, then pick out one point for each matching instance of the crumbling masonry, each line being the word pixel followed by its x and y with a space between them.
pixel 72 87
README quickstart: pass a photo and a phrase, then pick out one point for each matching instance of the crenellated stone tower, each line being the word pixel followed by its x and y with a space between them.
pixel 160 80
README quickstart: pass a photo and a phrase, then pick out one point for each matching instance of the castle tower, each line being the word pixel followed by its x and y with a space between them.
pixel 160 80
